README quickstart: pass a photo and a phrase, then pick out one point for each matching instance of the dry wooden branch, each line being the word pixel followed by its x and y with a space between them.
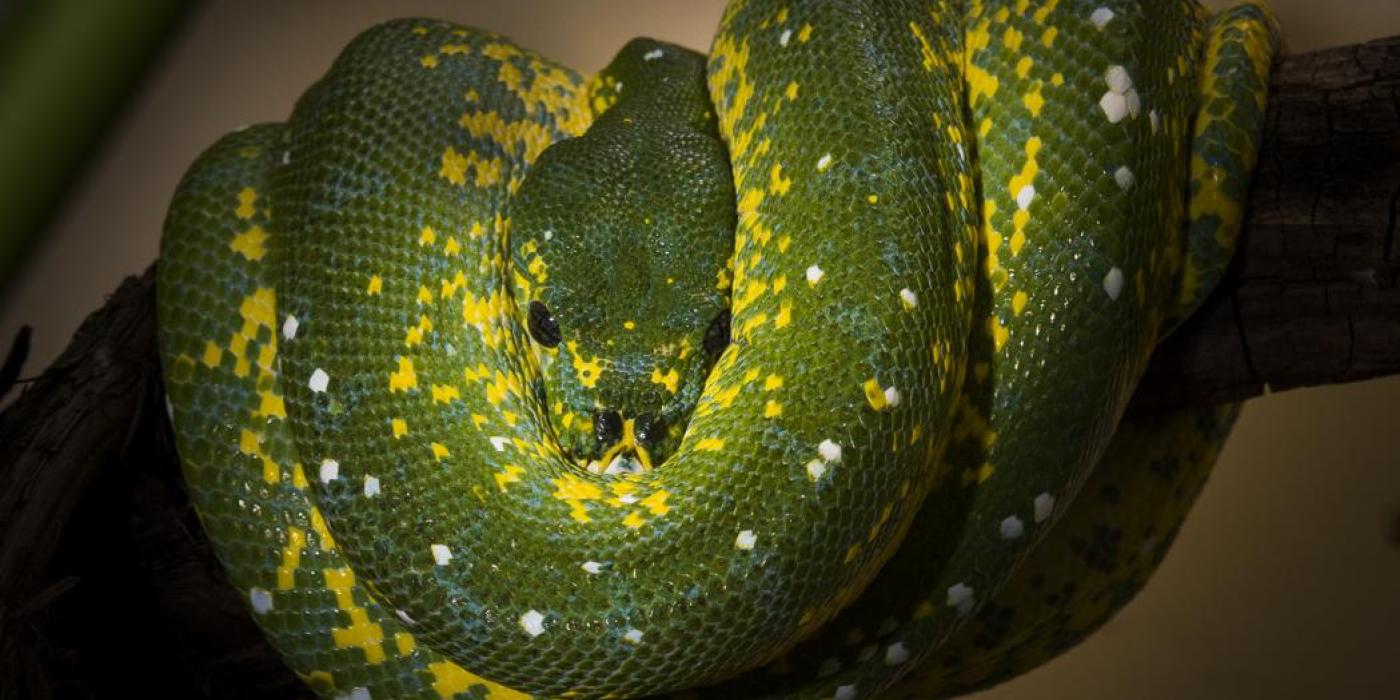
pixel 1312 298
pixel 108 587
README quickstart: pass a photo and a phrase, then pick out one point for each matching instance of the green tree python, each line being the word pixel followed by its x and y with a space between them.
pixel 793 370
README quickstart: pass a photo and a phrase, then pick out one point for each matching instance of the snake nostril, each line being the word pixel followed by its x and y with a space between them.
pixel 607 427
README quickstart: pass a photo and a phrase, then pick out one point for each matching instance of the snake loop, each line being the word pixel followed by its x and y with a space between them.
pixel 864 292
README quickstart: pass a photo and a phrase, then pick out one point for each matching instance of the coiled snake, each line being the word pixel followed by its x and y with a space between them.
pixel 794 370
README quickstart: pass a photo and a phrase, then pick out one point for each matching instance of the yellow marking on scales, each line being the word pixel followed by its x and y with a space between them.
pixel 671 379
pixel 487 171
pixel 508 475
pixel 415 333
pixel 291 558
pixel 710 444
pixel 270 405
pixel 550 87
pixel 403 378
pixel 1022 190
pixel 404 643
pixel 576 493
pixel 246 197
pixel 250 444
pixel 451 680
pixel 524 138
pixel 250 244
pixel 361 632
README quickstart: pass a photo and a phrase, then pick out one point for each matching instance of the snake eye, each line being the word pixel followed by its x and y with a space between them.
pixel 543 328
pixel 650 429
pixel 607 427
pixel 717 335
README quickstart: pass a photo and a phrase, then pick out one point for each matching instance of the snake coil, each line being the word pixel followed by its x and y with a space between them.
pixel 874 394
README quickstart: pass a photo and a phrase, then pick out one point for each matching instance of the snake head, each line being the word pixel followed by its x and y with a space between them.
pixel 621 240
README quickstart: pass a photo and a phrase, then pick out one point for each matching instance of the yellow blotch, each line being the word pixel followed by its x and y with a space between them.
pixel 376 285
pixel 1023 66
pixel 270 405
pixel 425 295
pixel 772 382
pixel 510 474
pixel 1044 11
pixel 784 316
pixel 249 244
pixel 778 184
pixel 404 378
pixel 805 33
pixel 246 197
pixel 440 451
pixel 403 641
pixel 710 444
pixel 772 409
pixel 588 371
pixel 323 533
pixel 575 492
pixel 1057 79
pixel 1033 100
pixel 671 379
pixel 212 354
pixel 656 502
pixel 1047 38
pixel 978 475
pixel 427 236
pixel 999 332
pixel 634 520
pixel 429 61
pixel 925 49
pixel 362 633
pixel 451 680
pixel 875 395
pixel 981 83
pixel 454 166
pixel 1011 39
pixel 452 247
pixel 291 558
pixel 444 394
pixel 791 92
pixel 1018 302
pixel 399 427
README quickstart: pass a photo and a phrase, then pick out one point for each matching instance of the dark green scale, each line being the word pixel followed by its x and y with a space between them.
pixel 631 227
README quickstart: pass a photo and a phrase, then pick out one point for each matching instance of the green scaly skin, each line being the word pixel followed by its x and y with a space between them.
pixel 959 231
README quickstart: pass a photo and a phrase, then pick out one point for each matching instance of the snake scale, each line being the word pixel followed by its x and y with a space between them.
pixel 793 370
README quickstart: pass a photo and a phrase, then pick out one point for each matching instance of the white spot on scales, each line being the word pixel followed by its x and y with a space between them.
pixel 532 622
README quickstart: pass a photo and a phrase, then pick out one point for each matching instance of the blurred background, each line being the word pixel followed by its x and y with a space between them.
pixel 1285 582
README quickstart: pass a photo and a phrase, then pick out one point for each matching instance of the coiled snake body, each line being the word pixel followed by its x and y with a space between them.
pixel 800 374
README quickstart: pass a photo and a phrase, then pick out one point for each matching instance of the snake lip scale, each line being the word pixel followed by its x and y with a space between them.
pixel 793 369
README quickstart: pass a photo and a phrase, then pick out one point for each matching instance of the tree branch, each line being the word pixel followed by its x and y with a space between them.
pixel 105 576
pixel 1312 298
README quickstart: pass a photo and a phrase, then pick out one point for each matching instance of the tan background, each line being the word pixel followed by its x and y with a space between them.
pixel 1285 582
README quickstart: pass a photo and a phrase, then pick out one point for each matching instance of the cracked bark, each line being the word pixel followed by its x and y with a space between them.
pixel 1312 296
pixel 105 576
